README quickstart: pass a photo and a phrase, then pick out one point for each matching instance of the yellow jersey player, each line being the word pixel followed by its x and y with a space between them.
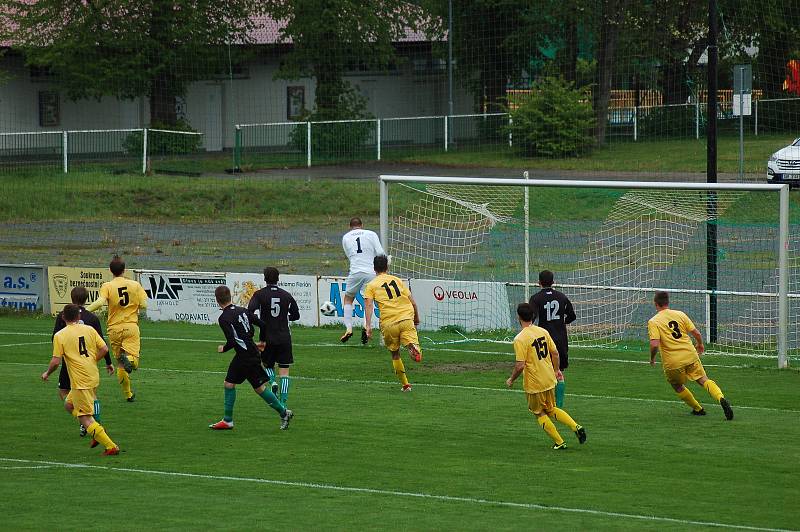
pixel 125 297
pixel 81 347
pixel 537 359
pixel 399 316
pixel 669 332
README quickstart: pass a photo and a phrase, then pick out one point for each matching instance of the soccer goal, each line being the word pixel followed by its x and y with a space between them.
pixel 472 249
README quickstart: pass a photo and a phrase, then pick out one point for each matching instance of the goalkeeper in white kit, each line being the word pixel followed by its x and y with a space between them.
pixel 361 247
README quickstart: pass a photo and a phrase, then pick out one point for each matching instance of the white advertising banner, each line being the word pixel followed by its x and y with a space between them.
pixel 332 289
pixel 472 305
pixel 22 288
pixel 181 296
pixel 302 287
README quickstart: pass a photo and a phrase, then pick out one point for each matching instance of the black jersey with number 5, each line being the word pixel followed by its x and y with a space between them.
pixel 555 312
pixel 276 308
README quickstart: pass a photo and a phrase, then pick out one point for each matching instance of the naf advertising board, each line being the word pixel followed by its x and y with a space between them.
pixel 469 304
pixel 302 287
pixel 61 280
pixel 181 296
pixel 332 289
pixel 22 287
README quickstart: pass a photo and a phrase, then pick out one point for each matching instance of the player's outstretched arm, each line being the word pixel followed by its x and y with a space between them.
pixel 654 345
pixel 569 313
pixel 54 362
pixel 698 340
pixel 554 359
pixel 97 303
pixel 368 306
pixel 416 311
pixel 294 310
pixel 518 367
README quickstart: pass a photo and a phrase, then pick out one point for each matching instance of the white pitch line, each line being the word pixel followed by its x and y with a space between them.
pixel 31 467
pixel 436 385
pixel 25 343
pixel 417 495
pixel 428 348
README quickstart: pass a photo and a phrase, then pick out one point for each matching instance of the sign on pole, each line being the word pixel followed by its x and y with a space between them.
pixel 742 90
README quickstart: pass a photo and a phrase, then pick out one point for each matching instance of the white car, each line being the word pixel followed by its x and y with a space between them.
pixel 784 165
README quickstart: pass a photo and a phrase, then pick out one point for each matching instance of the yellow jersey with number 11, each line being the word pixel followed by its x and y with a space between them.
pixel 392 298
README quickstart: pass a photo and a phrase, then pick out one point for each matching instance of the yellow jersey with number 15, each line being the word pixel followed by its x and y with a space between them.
pixel 78 345
pixel 671 328
pixel 392 298
pixel 533 345
pixel 125 297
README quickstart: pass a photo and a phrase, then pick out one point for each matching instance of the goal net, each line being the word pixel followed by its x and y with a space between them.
pixel 472 249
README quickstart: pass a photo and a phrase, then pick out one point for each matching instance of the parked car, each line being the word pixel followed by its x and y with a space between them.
pixel 784 165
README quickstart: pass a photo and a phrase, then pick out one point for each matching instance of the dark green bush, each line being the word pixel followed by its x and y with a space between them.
pixel 556 120
pixel 159 143
pixel 660 122
pixel 337 139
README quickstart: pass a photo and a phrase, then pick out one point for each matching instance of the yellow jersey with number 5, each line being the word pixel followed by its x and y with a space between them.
pixel 392 298
pixel 125 297
pixel 671 328
pixel 78 345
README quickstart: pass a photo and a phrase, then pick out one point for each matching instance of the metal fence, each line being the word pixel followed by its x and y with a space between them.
pixel 294 144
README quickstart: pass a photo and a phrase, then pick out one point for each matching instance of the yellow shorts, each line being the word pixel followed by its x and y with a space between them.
pixel 679 376
pixel 82 401
pixel 124 337
pixel 541 401
pixel 399 333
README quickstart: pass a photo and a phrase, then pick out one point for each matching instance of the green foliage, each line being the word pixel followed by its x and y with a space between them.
pixel 677 121
pixel 556 120
pixel 337 138
pixel 161 143
pixel 152 48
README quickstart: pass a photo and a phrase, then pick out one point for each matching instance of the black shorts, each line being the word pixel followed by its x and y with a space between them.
pixel 63 378
pixel 277 353
pixel 249 368
pixel 563 358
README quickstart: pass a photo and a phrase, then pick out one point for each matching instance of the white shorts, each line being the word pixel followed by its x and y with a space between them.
pixel 356 281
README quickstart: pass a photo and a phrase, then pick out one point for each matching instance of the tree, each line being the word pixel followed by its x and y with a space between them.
pixel 329 37
pixel 128 48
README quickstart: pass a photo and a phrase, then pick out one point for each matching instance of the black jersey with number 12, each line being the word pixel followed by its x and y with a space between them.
pixel 555 312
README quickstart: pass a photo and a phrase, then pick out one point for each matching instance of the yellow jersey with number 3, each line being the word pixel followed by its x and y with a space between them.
pixel 533 345
pixel 671 328
pixel 392 297
pixel 78 345
pixel 125 297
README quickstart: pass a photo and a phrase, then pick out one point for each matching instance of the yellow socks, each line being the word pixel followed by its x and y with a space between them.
pixel 125 382
pixel 562 417
pixel 97 432
pixel 689 399
pixel 400 370
pixel 550 429
pixel 713 390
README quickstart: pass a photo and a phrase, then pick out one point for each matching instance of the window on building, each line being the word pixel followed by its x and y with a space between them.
pixel 49 109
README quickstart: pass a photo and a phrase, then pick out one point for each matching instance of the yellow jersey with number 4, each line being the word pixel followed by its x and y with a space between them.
pixel 78 345
pixel 671 328
pixel 533 345
pixel 125 297
pixel 392 298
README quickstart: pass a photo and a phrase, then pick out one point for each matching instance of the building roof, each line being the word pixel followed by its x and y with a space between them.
pixel 267 31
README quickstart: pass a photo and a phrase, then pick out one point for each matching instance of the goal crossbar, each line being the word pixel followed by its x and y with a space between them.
pixel 783 223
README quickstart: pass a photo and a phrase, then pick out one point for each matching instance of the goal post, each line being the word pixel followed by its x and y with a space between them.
pixel 629 238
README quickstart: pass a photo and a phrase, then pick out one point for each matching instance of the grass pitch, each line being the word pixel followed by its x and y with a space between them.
pixel 459 452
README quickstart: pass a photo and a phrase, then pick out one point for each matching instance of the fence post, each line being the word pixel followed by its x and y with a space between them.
pixel 510 123
pixel 144 151
pixel 755 117
pixel 697 119
pixel 237 148
pixel 445 133
pixel 635 123
pixel 378 135
pixel 308 144
pixel 64 148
